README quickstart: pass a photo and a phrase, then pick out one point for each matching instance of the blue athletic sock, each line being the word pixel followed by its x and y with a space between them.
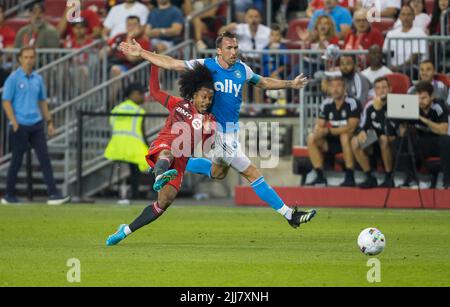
pixel 199 166
pixel 267 194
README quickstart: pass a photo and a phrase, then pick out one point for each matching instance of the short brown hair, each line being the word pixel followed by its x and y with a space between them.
pixel 381 79
pixel 222 36
pixel 423 87
pixel 26 48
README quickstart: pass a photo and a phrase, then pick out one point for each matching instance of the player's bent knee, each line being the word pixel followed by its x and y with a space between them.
pixel 219 172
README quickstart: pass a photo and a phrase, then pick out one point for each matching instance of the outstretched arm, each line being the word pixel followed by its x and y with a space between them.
pixel 164 98
pixel 134 49
pixel 275 84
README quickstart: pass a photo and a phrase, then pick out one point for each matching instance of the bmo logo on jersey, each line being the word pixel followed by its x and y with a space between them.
pixel 184 112
pixel 229 87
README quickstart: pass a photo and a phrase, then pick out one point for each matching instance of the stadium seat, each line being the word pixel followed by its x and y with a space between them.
pixel 400 83
pixel 17 23
pixel 54 8
pixel 429 6
pixel 443 78
pixel 292 32
pixel 384 25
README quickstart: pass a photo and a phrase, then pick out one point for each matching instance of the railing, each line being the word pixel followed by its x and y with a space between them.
pixel 436 48
pixel 9 57
pixel 66 78
pixel 13 7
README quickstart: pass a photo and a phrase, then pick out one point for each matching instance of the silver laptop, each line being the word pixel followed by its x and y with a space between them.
pixel 404 107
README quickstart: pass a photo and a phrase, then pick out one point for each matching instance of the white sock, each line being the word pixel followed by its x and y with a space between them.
pixel 285 211
pixel 127 230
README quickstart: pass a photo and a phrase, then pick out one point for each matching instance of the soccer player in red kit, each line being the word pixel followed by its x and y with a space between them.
pixel 188 124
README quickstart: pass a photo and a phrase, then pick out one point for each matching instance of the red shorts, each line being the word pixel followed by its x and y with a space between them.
pixel 178 163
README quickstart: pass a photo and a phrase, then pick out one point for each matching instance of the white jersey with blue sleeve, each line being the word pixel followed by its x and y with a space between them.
pixel 228 85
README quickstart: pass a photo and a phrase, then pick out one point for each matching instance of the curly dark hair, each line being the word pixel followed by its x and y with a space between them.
pixel 194 79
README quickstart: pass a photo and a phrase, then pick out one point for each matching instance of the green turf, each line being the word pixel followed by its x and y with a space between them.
pixel 219 246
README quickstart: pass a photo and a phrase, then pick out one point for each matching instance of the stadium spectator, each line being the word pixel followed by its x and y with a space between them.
pixel 429 135
pixel 120 62
pixel 90 18
pixel 127 143
pixel 39 33
pixel 341 17
pixel 7 34
pixel 427 73
pixel 405 53
pixel 116 21
pixel 79 37
pixel 374 118
pixel 78 72
pixel 362 36
pixel 338 119
pixel 356 85
pixel 274 65
pixel 385 8
pixel 186 6
pixel 376 68
pixel 315 5
pixel 252 35
pixel 323 35
pixel 422 19
pixel 241 8
pixel 204 23
pixel 439 7
pixel 26 107
pixel 164 26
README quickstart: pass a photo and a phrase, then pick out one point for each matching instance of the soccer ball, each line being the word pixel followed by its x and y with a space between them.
pixel 371 241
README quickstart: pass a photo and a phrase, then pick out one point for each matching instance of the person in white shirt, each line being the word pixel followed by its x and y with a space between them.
pixel 384 8
pixel 116 20
pixel 376 68
pixel 405 53
pixel 252 35
pixel 421 19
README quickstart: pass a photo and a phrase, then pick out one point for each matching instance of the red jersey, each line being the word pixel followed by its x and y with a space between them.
pixel 318 4
pixel 7 37
pixel 72 43
pixel 185 126
pixel 118 56
pixel 363 41
pixel 92 20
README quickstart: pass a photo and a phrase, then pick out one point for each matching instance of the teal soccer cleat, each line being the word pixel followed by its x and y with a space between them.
pixel 164 178
pixel 118 236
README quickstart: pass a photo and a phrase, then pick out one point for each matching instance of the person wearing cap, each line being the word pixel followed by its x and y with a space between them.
pixel 127 143
pixel 90 17
pixel 79 37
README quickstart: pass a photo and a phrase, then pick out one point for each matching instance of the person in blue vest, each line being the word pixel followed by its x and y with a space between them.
pixel 230 75
pixel 25 104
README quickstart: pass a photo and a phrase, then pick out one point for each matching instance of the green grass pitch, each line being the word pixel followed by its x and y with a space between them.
pixel 219 246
